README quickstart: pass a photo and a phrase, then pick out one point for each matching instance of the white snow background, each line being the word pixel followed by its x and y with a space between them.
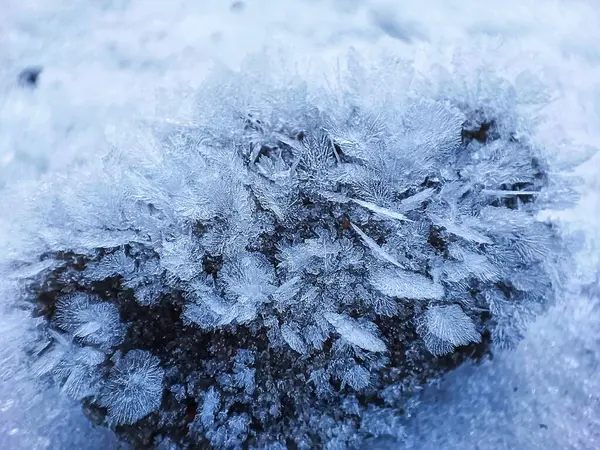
pixel 109 63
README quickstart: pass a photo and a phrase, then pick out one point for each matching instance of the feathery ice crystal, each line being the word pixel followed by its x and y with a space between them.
pixel 290 267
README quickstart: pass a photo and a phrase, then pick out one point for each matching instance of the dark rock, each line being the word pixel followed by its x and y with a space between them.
pixel 29 76
pixel 238 6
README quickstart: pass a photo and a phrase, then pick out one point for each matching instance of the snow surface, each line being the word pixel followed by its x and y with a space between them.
pixel 109 62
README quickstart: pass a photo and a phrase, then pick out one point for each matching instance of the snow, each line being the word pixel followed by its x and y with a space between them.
pixel 108 62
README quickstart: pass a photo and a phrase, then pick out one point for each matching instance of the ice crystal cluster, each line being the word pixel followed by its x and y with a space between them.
pixel 287 268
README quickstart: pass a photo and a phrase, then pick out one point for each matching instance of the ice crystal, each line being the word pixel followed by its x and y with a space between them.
pixel 89 319
pixel 134 388
pixel 446 327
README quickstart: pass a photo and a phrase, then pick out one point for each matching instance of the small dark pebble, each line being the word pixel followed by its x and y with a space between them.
pixel 543 426
pixel 238 6
pixel 29 76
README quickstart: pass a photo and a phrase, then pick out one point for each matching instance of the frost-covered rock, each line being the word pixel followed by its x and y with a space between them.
pixel 254 271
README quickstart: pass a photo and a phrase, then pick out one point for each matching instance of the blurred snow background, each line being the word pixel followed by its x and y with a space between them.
pixel 108 63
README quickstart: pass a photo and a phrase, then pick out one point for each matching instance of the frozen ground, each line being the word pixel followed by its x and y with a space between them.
pixel 109 62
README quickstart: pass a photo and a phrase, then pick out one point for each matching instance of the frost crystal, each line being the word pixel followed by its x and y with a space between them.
pixel 446 327
pixel 89 319
pixel 209 407
pixel 406 285
pixel 354 333
pixel 134 388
